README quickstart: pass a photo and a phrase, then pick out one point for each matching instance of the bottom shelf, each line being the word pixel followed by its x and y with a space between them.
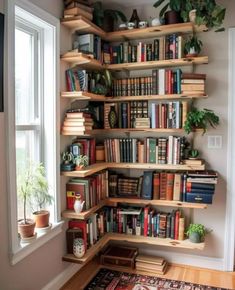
pixel 185 244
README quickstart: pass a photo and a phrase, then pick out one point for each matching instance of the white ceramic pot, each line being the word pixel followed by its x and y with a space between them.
pixel 155 22
pixel 78 248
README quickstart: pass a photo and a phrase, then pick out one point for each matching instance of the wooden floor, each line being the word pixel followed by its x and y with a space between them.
pixel 174 272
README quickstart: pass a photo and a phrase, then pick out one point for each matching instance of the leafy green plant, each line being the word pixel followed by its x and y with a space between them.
pixel 100 13
pixel 82 160
pixel 32 186
pixel 207 13
pixel 192 45
pixel 200 119
pixel 196 228
pixel 103 82
pixel 193 153
pixel 175 5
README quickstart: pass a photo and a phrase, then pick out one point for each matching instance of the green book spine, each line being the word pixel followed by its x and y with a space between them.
pixel 152 150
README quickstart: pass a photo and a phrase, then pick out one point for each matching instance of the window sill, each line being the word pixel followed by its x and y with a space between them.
pixel 27 248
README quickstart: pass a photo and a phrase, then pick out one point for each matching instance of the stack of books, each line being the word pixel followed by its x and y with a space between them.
pixel 200 186
pixel 151 264
pixel 193 83
pixel 77 123
pixel 78 8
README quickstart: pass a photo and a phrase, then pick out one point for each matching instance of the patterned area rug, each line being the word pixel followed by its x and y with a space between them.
pixel 114 280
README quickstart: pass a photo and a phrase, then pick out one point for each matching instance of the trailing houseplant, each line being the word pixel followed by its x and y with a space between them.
pixel 208 13
pixel 200 119
pixel 40 197
pixel 105 18
pixel 102 82
pixel 192 46
pixel 196 233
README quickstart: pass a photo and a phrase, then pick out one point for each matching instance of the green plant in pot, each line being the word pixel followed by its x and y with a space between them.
pixel 192 46
pixel 102 82
pixel 196 233
pixel 193 153
pixel 81 161
pixel 200 119
pixel 207 12
pixel 173 15
pixel 105 18
pixel 40 197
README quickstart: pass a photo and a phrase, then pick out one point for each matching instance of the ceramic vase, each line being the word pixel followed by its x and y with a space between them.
pixel 135 18
pixel 78 248
pixel 112 117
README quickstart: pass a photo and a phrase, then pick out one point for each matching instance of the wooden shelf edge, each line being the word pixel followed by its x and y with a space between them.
pixel 159 130
pixel 87 171
pixel 185 244
pixel 170 203
pixel 80 95
pixel 81 59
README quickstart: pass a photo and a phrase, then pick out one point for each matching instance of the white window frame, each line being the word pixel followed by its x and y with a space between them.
pixel 51 94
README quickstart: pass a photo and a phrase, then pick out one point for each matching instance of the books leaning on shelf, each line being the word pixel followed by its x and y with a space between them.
pixel 164 150
pixel 164 47
pixel 84 146
pixel 76 80
pixel 77 123
pixel 169 186
pixel 91 189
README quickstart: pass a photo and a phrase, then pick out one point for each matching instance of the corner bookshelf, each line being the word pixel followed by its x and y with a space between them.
pixel 82 25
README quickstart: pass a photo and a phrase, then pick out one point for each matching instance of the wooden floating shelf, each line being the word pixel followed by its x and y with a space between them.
pixel 170 203
pixel 82 60
pixel 141 166
pixel 87 171
pixel 70 214
pixel 83 25
pixel 83 96
pixel 125 130
pixel 158 63
pixel 185 244
pixel 155 97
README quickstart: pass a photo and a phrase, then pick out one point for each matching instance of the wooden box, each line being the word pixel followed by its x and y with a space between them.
pixel 119 256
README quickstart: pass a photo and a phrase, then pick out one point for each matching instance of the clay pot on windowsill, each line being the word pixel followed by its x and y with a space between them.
pixel 41 218
pixel 26 230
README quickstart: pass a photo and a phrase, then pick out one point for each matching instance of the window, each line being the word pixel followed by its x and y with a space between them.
pixel 32 109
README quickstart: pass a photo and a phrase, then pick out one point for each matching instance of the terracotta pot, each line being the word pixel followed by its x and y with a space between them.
pixel 172 17
pixel 79 167
pixel 26 230
pixel 41 218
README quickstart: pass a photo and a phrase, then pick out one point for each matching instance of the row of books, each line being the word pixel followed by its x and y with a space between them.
pixel 133 221
pixel 77 124
pixel 84 146
pixel 165 47
pixel 77 80
pixel 188 187
pixel 92 190
pixel 164 150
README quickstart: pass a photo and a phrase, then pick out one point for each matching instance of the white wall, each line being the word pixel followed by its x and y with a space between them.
pixel 43 265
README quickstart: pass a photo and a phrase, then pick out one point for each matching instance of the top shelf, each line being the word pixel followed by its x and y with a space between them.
pixel 83 25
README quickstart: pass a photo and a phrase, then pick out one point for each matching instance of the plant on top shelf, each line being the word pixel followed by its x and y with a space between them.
pixel 208 13
pixel 196 233
pixel 200 119
pixel 173 15
pixel 81 161
pixel 102 82
pixel 105 18
pixel 192 46
pixel 40 197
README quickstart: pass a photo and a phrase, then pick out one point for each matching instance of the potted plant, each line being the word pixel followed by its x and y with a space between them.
pixel 173 15
pixel 40 197
pixel 207 12
pixel 81 161
pixel 67 161
pixel 105 18
pixel 193 153
pixel 196 233
pixel 103 82
pixel 192 46
pixel 200 119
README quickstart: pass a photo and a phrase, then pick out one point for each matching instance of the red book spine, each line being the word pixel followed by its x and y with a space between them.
pixel 146 212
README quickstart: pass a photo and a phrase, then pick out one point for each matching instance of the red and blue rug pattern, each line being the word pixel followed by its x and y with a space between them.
pixel 115 280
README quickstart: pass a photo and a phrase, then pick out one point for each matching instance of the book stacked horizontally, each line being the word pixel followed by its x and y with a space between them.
pixel 78 8
pixel 193 83
pixel 200 186
pixel 77 123
pixel 151 264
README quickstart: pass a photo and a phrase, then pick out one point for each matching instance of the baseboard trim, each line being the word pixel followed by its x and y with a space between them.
pixel 190 260
pixel 62 278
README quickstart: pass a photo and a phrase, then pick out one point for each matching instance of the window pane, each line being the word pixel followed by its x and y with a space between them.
pixel 24 77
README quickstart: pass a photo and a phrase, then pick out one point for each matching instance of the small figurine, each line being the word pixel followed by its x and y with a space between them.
pixel 67 161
